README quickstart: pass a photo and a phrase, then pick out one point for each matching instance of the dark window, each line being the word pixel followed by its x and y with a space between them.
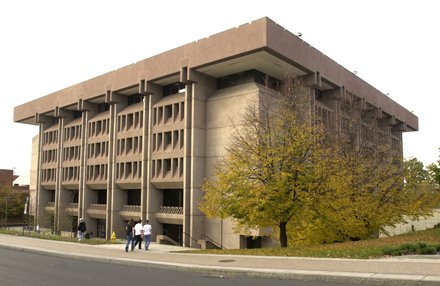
pixel 173 88
pixel 253 242
pixel 77 114
pixel 173 198
pixel 174 231
pixel 102 196
pixel 134 197
pixel 75 196
pixel 133 99
pixel 247 77
pixel 52 196
pixel 100 228
pixel 103 107
pixel 318 94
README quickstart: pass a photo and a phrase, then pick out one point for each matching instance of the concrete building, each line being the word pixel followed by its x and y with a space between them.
pixel 138 142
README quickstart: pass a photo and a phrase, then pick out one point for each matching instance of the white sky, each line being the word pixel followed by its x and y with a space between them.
pixel 49 45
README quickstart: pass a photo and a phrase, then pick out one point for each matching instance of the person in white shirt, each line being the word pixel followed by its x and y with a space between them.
pixel 147 234
pixel 138 230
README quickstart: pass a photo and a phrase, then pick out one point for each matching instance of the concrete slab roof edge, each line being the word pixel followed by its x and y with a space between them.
pixel 261 34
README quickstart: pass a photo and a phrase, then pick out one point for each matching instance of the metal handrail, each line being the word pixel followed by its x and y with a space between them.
pixel 219 245
pixel 170 210
pixel 97 207
pixel 190 237
pixel 131 208
pixel 72 205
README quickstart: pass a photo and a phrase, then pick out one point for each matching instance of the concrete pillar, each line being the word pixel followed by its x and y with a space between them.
pixel 86 196
pixel 151 197
pixel 117 223
pixel 199 87
pixel 114 194
pixel 188 102
pixel 62 220
pixel 42 196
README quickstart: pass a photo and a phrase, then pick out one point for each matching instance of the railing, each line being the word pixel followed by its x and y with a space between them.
pixel 98 207
pixel 170 210
pixel 72 205
pixel 191 238
pixel 131 208
pixel 207 238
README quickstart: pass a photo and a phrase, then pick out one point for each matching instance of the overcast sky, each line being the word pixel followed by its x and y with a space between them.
pixel 49 45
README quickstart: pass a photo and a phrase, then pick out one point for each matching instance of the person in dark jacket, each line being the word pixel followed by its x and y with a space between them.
pixel 81 229
pixel 129 231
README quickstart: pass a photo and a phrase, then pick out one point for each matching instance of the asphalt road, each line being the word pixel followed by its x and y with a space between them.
pixel 18 268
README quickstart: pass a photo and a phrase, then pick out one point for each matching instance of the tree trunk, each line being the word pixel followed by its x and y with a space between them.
pixel 283 234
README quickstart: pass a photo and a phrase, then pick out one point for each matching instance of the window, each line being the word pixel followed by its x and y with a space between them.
pixel 77 114
pixel 247 77
pixel 173 88
pixel 167 140
pixel 129 145
pixel 133 99
pixel 129 121
pixel 102 197
pixel 168 113
pixel 166 166
pixel 103 107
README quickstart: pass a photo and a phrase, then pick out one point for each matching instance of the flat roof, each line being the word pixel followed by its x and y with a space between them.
pixel 261 44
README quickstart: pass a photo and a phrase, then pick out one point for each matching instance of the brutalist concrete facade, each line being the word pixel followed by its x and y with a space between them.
pixel 138 142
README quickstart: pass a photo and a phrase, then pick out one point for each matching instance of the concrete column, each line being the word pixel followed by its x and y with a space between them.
pixel 62 220
pixel 86 196
pixel 117 223
pixel 115 196
pixel 201 87
pixel 58 180
pixel 151 197
pixel 187 164
pixel 42 196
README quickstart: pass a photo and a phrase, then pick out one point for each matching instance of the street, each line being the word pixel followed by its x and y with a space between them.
pixel 19 268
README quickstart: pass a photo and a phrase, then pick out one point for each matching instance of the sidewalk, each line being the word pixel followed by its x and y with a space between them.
pixel 409 270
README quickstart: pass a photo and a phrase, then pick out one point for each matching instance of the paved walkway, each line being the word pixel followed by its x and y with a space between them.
pixel 408 270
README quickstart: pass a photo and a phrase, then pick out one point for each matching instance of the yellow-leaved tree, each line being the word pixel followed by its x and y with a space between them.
pixel 369 185
pixel 313 182
pixel 273 166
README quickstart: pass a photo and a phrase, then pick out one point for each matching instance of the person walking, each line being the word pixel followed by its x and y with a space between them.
pixel 81 229
pixel 129 231
pixel 147 234
pixel 138 230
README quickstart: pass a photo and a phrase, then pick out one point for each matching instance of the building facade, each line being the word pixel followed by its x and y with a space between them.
pixel 138 142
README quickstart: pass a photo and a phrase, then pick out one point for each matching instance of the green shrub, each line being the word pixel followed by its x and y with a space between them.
pixel 421 245
pixel 390 250
pixel 411 248
pixel 430 249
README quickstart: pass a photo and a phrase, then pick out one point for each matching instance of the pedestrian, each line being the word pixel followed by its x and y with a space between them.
pixel 147 234
pixel 138 230
pixel 129 231
pixel 81 229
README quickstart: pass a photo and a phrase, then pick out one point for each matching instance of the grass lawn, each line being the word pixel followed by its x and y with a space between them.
pixel 355 249
pixel 42 235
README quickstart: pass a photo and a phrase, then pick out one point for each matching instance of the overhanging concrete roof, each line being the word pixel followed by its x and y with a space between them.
pixel 261 44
